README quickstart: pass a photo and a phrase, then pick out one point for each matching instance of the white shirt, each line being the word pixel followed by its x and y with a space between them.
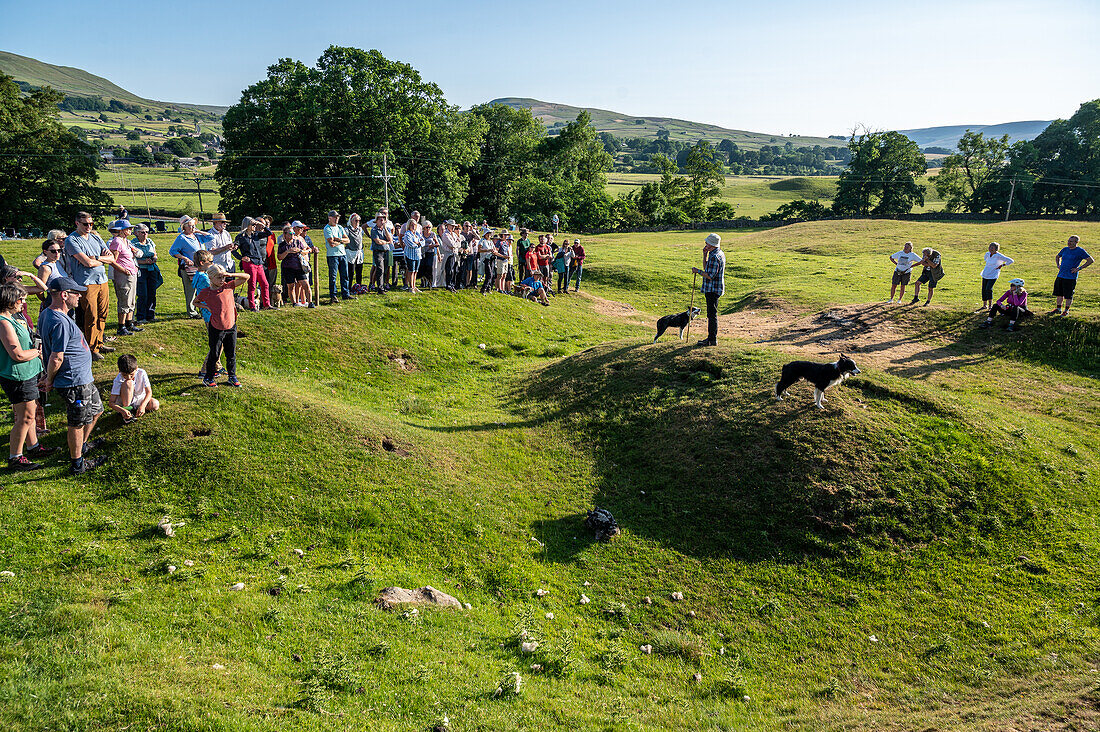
pixel 991 271
pixel 141 384
pixel 906 261
pixel 221 239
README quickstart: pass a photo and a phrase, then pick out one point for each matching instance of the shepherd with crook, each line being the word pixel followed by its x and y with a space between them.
pixel 714 284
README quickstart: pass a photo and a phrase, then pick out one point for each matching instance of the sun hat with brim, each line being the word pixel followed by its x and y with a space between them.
pixel 713 240
pixel 61 284
pixel 184 220
pixel 219 217
pixel 296 224
pixel 120 225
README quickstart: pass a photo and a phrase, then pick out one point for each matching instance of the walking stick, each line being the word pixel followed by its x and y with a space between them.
pixel 691 304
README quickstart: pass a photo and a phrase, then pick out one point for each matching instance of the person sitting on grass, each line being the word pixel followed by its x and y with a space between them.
pixel 131 392
pixel 1014 305
pixel 932 274
pixel 533 287
pixel 20 366
pixel 222 329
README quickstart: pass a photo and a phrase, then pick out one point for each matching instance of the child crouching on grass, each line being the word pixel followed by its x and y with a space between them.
pixel 131 393
pixel 222 328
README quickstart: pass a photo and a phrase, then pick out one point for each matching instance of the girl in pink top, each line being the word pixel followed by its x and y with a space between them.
pixel 1013 305
pixel 124 272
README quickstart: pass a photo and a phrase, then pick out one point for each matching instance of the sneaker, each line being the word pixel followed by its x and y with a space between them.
pixel 92 445
pixel 22 463
pixel 42 451
pixel 209 382
pixel 706 342
pixel 914 301
pixel 196 316
pixel 98 356
pixel 124 332
pixel 311 305
pixel 221 371
pixel 1065 313
pixel 87 465
pixel 134 328
pixel 234 382
pixel 1055 311
pixel 109 339
pixel 129 419
pixel 106 349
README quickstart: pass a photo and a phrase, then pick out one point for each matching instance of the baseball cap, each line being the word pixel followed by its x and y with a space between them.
pixel 333 214
pixel 61 284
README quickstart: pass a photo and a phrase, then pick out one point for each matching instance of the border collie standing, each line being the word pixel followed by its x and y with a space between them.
pixel 822 375
pixel 680 320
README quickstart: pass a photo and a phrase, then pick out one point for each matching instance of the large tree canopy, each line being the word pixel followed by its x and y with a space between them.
pixel 507 155
pixel 306 139
pixel 966 175
pixel 47 173
pixel 881 180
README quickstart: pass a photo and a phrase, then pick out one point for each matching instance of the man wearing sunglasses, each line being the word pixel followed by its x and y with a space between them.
pixel 87 254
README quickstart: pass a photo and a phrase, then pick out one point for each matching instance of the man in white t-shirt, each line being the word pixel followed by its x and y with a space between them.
pixel 131 392
pixel 903 264
pixel 222 245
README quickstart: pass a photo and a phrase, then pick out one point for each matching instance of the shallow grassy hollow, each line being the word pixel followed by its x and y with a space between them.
pixel 919 556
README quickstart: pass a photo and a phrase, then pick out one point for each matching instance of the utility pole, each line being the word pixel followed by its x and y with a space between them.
pixel 148 211
pixel 198 187
pixel 1011 192
pixel 385 179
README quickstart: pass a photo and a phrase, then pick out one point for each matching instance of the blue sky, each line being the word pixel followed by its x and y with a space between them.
pixel 787 66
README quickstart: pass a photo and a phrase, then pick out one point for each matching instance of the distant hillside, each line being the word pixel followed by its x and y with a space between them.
pixel 625 125
pixel 949 136
pixel 77 82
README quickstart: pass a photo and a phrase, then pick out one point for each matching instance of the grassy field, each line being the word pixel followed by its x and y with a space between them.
pixel 137 177
pixel 919 556
pixel 756 195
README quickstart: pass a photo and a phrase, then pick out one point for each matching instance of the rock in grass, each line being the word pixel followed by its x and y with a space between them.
pixel 7 574
pixel 677 596
pixel 391 597
pixel 529 646
pixel 298 552
pixel 646 649
pixel 510 685
pixel 166 527
pixel 541 592
pixel 237 587
pixel 585 600
pixel 696 678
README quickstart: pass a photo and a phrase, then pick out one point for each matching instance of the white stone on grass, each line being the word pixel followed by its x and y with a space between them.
pixel 237 587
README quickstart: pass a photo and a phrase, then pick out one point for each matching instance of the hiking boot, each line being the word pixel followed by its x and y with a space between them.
pixel 91 446
pixel 98 356
pixel 106 349
pixel 87 465
pixel 22 463
pixel 706 342
pixel 41 451
pixel 134 328
pixel 209 382
pixel 914 301
pixel 234 382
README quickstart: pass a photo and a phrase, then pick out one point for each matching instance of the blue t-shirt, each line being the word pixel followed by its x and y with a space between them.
pixel 1071 257
pixel 188 245
pixel 60 335
pixel 532 283
pixel 200 282
pixel 92 246
pixel 334 232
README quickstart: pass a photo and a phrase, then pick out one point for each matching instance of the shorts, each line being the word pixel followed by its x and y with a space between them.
pixel 20 391
pixel 291 276
pixel 901 278
pixel 354 256
pixel 412 265
pixel 987 288
pixel 82 404
pixel 926 276
pixel 1064 287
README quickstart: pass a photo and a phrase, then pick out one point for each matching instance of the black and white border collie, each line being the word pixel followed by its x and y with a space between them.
pixel 822 375
pixel 680 320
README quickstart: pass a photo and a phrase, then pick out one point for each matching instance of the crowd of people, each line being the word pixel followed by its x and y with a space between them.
pixel 1013 304
pixel 75 272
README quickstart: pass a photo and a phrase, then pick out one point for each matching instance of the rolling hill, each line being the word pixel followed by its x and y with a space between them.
pixel 77 82
pixel 948 136
pixel 625 125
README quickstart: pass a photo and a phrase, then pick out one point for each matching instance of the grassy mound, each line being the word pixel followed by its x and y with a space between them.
pixel 806 187
pixel 694 451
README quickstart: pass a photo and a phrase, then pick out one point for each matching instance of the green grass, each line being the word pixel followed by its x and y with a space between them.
pixel 946 506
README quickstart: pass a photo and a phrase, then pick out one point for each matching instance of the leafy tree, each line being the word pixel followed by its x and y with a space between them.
pixel 1066 152
pixel 800 210
pixel 47 174
pixel 705 178
pixel 721 211
pixel 133 135
pixel 139 154
pixel 881 179
pixel 965 174
pixel 507 154
pixel 321 130
pixel 576 154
